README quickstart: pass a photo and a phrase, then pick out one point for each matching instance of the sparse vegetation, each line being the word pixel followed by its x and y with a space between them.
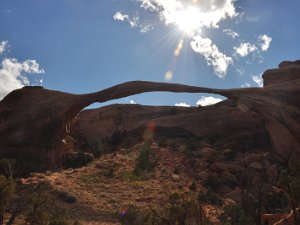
pixel 43 210
pixel 234 214
pixel 93 178
pixel 179 209
pixel 290 181
pixel 130 176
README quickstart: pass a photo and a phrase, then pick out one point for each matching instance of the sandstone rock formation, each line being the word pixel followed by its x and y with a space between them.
pixel 223 125
pixel 34 121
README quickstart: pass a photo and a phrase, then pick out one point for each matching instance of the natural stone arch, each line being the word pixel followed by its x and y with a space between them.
pixel 33 120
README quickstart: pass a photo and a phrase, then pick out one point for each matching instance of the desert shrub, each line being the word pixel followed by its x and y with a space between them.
pixel 8 167
pixel 94 145
pixel 290 181
pixel 76 160
pixel 191 146
pixel 134 216
pixel 43 210
pixel 77 223
pixel 93 178
pixel 212 182
pixel 229 181
pixel 161 142
pixel 146 161
pixel 109 172
pixel 7 192
pixel 192 162
pixel 116 138
pixel 234 214
pixel 130 176
pixel 65 197
pixel 210 197
pixel 193 186
pixel 230 155
pixel 179 209
pixel 11 167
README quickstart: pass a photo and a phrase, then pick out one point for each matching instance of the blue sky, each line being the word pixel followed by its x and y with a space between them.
pixel 82 46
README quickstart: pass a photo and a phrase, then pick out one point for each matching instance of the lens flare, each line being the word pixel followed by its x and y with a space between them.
pixel 178 49
pixel 168 75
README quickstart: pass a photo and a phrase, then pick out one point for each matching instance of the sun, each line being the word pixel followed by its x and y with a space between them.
pixel 188 20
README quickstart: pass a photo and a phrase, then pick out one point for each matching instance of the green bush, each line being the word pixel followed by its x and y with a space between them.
pixel 230 155
pixel 130 216
pixel 191 146
pixel 78 159
pixel 65 197
pixel 179 209
pixel 94 145
pixel 7 193
pixel 212 182
pixel 146 161
pixel 43 210
pixel 130 176
pixel 210 197
pixel 234 214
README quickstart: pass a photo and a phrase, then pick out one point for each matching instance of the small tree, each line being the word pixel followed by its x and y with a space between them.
pixel 146 160
pixel 179 210
pixel 256 187
pixel 7 191
pixel 8 167
pixel 290 181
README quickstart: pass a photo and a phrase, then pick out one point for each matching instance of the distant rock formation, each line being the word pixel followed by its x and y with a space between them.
pixel 34 120
pixel 224 125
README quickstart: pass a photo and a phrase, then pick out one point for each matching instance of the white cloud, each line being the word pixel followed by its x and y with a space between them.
pixel 245 49
pixel 246 85
pixel 132 102
pixel 205 101
pixel 211 53
pixel 265 42
pixel 11 74
pixel 182 104
pixel 258 80
pixel 120 16
pixel 231 33
pixel 147 4
pixel 133 22
pixel 3 46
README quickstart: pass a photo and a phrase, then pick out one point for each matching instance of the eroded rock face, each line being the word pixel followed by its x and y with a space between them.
pixel 34 121
pixel 223 125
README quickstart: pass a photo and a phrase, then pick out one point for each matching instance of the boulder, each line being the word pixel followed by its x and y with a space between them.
pixel 221 167
pixel 235 195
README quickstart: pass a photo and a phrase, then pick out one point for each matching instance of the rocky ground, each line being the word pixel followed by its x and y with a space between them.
pixel 107 185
